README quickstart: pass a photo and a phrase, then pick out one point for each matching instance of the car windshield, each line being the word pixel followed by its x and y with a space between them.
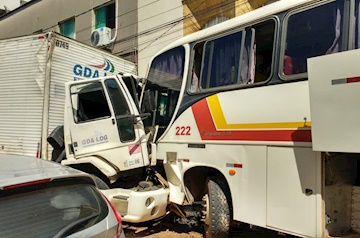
pixel 46 210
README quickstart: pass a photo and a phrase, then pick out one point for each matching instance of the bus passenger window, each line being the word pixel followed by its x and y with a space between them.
pixel 240 58
pixel 356 36
pixel 221 61
pixel 198 51
pixel 264 38
pixel 313 32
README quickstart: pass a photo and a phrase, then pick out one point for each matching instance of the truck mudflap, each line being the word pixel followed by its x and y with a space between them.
pixel 139 206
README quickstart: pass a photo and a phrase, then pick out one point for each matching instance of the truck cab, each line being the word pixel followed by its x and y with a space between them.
pixel 103 134
pixel 103 127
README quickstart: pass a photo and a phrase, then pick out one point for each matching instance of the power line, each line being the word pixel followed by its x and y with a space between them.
pixel 156 28
pixel 135 23
pixel 167 25
pixel 123 14
pixel 168 29
pixel 197 14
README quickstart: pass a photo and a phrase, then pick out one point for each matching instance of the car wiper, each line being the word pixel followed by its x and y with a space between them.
pixel 63 231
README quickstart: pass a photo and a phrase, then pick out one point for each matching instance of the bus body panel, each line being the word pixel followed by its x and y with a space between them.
pixel 279 114
pixel 232 131
pixel 292 195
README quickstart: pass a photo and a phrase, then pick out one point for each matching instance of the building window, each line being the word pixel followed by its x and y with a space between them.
pixel 105 16
pixel 67 28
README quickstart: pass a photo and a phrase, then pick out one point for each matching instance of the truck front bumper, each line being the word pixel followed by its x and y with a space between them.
pixel 139 206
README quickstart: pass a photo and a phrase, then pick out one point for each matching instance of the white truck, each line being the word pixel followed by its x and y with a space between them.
pixel 104 134
pixel 33 70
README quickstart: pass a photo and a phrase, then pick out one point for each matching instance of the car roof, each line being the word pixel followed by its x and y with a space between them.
pixel 17 169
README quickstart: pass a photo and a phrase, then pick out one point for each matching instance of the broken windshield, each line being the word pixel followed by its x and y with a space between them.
pixel 163 87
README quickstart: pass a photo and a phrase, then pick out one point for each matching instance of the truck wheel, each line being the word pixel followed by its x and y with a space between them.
pixel 216 211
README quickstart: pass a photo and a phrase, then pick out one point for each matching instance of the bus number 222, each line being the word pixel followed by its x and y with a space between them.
pixel 183 130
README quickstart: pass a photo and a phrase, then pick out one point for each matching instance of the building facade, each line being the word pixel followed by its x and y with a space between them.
pixel 10 5
pixel 135 30
pixel 199 14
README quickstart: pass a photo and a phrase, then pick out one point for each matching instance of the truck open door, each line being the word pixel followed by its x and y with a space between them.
pixel 104 125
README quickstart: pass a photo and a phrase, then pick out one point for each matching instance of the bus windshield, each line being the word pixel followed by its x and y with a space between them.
pixel 167 69
pixel 163 87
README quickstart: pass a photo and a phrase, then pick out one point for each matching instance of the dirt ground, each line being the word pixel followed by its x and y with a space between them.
pixel 172 226
pixel 169 226
pixel 172 234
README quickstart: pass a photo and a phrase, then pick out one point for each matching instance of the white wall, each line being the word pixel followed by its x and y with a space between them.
pixel 143 23
pixel 45 16
pixel 156 15
pixel 10 4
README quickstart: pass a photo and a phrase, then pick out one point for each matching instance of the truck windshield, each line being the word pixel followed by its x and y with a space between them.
pixel 163 86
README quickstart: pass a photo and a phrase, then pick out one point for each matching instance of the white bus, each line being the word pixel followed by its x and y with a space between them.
pixel 258 119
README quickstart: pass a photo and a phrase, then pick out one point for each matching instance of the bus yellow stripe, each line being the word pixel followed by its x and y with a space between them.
pixel 220 121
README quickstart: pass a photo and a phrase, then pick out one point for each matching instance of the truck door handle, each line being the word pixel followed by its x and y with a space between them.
pixel 113 121
pixel 308 191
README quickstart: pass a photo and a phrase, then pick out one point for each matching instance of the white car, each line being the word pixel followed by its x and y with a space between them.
pixel 40 198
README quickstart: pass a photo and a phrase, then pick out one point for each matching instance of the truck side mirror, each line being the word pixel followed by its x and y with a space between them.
pixel 142 117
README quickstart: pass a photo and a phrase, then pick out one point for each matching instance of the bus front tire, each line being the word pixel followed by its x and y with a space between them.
pixel 217 211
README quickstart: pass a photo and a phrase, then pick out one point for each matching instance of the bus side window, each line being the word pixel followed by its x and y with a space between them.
pixel 264 36
pixel 240 58
pixel 221 61
pixel 312 32
pixel 356 36
pixel 198 55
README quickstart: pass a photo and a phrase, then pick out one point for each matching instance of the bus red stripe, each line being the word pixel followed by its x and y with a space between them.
pixel 353 80
pixel 203 116
pixel 208 130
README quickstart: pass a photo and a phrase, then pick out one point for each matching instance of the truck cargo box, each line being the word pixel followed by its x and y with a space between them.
pixel 33 70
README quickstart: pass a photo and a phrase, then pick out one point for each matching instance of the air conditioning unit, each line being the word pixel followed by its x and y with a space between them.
pixel 101 36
